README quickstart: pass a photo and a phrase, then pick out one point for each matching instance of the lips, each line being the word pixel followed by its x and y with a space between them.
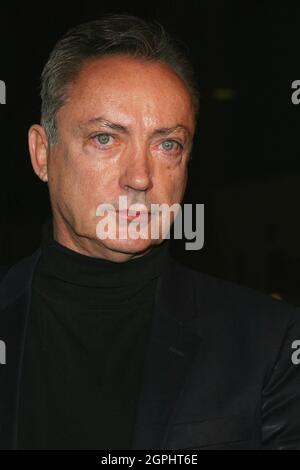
pixel 132 215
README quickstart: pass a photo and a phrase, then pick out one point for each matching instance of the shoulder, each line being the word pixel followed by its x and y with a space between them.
pixel 3 270
pixel 241 324
pixel 236 309
pixel 16 278
pixel 216 292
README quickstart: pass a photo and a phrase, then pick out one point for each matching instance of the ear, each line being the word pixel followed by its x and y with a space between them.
pixel 39 150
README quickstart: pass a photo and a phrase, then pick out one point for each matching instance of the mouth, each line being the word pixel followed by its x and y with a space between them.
pixel 133 215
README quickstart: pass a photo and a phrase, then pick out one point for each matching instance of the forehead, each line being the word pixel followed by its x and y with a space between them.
pixel 132 89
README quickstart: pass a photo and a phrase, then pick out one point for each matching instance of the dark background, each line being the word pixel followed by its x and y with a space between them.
pixel 245 166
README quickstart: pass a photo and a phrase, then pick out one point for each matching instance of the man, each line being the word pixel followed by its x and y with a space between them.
pixel 110 343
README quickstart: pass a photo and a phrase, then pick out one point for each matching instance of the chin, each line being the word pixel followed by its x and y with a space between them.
pixel 122 241
pixel 129 246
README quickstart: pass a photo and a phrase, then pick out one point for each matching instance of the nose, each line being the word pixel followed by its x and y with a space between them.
pixel 136 172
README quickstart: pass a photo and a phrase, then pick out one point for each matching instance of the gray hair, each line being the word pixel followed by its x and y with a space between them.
pixel 112 34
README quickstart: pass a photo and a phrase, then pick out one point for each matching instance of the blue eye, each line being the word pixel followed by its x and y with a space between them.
pixel 103 139
pixel 170 144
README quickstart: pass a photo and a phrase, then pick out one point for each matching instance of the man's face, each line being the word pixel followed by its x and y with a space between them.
pixel 125 130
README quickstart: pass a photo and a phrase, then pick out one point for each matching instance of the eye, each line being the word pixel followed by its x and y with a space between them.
pixel 103 138
pixel 169 145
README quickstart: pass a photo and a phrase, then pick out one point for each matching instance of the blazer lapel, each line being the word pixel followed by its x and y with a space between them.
pixel 170 352
pixel 14 307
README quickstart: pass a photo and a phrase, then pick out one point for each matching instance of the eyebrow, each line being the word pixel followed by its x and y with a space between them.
pixel 119 127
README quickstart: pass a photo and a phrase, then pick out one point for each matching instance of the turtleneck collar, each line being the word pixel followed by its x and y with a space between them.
pixel 65 274
pixel 71 266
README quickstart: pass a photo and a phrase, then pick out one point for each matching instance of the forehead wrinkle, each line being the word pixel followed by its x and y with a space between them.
pixel 121 128
pixel 103 122
pixel 148 92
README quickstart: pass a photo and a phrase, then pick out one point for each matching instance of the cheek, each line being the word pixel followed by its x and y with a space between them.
pixel 67 181
pixel 78 175
pixel 171 185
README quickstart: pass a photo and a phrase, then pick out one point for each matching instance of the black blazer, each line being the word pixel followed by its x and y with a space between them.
pixel 218 374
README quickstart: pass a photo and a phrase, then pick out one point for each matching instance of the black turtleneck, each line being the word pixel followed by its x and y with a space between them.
pixel 86 340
